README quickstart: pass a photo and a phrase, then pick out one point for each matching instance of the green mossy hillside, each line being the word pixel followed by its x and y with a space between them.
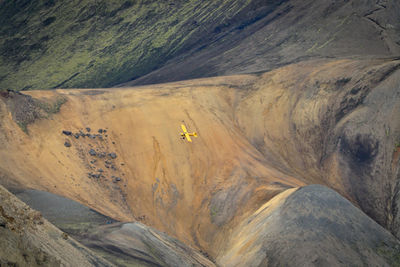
pixel 47 44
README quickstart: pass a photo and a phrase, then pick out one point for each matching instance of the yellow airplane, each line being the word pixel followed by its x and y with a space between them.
pixel 187 135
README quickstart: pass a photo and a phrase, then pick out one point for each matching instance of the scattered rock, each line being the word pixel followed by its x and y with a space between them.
pixel 93 161
pixel 96 176
pixel 67 132
pixel 100 170
pixel 108 162
pixel 92 152
pixel 88 129
pixel 92 136
pixel 64 236
pixel 100 130
pixel 102 155
pixel 77 135
pixel 112 155
pixel 67 144
pixel 2 222
pixel 116 179
pixel 113 142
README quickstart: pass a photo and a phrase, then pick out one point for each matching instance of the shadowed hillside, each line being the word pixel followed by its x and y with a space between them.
pixel 62 44
pixel 259 135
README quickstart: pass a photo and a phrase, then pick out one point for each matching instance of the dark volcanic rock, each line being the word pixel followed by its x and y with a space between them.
pixel 67 132
pixel 67 144
pixel 92 152
pixel 112 155
pixel 88 129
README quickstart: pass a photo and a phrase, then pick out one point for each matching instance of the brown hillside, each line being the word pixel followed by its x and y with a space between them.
pixel 312 122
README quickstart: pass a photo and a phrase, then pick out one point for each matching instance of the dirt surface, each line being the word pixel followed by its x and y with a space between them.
pixel 330 122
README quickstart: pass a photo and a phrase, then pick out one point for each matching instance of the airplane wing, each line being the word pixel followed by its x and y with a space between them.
pixel 188 137
pixel 183 128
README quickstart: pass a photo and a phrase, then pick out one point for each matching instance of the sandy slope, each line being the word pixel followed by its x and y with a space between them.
pixel 258 136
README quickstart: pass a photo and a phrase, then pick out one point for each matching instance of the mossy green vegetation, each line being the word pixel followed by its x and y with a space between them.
pixel 47 44
pixel 391 254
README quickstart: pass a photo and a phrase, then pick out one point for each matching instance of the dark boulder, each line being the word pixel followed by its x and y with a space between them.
pixel 67 144
pixel 100 130
pixel 77 135
pixel 67 132
pixel 92 152
pixel 87 129
pixel 112 155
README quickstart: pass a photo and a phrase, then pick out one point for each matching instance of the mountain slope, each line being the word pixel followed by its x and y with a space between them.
pixel 46 44
pixel 306 123
pixel 51 44
pixel 293 32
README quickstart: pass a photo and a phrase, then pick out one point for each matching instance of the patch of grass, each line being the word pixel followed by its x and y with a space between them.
pixel 392 255
pixel 23 126
pixel 213 212
pixel 52 108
